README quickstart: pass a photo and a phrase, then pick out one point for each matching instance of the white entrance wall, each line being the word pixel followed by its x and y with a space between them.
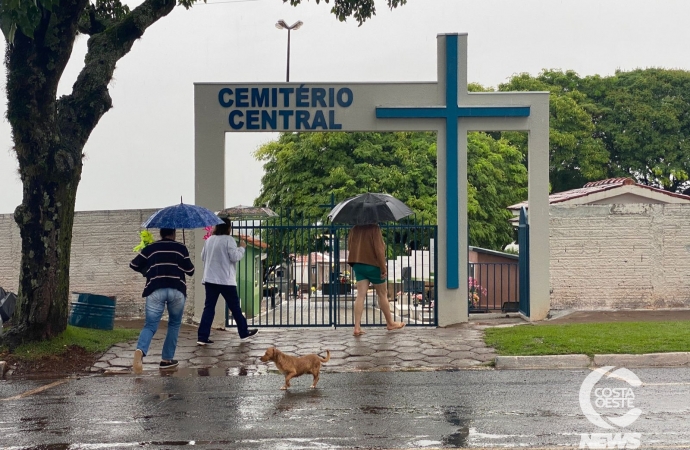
pixel 285 107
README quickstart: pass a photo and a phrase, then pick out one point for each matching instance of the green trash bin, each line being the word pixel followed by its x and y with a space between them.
pixel 93 311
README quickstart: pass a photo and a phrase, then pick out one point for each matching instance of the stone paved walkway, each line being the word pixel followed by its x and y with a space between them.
pixel 412 348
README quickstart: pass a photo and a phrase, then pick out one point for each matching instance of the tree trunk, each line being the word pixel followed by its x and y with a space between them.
pixel 45 220
pixel 50 168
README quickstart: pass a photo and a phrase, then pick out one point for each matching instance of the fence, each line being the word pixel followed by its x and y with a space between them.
pixel 295 273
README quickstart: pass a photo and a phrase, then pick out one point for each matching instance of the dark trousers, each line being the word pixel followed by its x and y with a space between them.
pixel 229 293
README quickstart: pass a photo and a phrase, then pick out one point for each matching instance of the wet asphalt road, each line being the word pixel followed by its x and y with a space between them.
pixel 209 409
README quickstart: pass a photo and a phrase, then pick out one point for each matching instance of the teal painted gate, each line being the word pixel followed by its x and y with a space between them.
pixel 523 262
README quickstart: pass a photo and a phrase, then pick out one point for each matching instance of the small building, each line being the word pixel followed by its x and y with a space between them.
pixel 615 244
pixel 612 191
pixel 495 278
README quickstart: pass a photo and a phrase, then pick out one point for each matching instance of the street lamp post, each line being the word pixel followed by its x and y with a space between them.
pixel 295 26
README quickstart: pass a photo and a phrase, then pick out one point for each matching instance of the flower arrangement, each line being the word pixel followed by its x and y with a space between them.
pixel 345 278
pixel 146 239
pixel 475 292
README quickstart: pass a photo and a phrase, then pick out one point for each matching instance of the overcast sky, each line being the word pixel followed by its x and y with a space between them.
pixel 141 153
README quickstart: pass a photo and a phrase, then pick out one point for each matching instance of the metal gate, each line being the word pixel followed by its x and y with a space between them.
pixel 523 262
pixel 295 274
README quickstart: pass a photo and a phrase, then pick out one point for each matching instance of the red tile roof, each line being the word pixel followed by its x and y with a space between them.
pixel 599 186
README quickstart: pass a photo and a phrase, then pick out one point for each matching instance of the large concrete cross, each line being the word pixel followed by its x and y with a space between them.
pixel 451 112
pixel 444 106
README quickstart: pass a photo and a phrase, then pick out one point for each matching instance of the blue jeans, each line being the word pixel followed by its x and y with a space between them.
pixel 232 300
pixel 155 305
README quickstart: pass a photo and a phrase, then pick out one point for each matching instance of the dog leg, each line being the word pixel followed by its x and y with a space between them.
pixel 288 377
pixel 316 378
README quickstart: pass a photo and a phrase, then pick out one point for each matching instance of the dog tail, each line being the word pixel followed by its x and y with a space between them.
pixel 327 358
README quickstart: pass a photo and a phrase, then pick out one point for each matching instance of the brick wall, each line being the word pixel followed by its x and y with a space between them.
pixel 602 257
pixel 620 256
pixel 102 244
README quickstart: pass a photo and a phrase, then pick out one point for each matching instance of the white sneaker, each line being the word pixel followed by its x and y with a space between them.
pixel 138 365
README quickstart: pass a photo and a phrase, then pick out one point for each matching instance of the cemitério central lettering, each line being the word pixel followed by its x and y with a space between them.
pixel 283 108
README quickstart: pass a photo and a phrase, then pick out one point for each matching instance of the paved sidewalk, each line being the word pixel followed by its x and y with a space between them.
pixel 412 348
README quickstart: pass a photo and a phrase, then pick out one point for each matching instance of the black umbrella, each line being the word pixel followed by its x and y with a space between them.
pixel 364 209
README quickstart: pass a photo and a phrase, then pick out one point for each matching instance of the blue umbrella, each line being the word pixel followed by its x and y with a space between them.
pixel 182 216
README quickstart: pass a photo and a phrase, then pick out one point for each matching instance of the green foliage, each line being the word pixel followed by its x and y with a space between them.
pixel 496 179
pixel 575 155
pixel 302 170
pixel 634 124
pixel 361 10
pixel 91 340
pixel 644 122
pixel 591 338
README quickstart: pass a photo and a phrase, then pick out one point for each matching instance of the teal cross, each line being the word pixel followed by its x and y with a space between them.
pixel 452 112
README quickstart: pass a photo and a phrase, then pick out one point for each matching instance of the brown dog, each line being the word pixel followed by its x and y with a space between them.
pixel 294 366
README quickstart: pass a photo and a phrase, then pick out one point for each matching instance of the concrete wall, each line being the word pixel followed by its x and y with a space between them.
pixel 602 257
pixel 620 256
pixel 102 244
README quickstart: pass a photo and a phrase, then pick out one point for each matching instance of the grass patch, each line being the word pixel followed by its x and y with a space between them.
pixel 91 340
pixel 590 338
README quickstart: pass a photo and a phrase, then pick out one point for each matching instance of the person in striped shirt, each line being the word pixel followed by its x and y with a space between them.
pixel 165 264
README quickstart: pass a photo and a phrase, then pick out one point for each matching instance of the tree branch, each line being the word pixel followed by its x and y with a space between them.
pixel 80 111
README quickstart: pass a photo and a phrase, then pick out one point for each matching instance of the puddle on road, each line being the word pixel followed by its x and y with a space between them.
pixel 165 444
pixel 187 372
pixel 459 438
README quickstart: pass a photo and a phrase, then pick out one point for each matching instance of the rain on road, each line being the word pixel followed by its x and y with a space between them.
pixel 213 408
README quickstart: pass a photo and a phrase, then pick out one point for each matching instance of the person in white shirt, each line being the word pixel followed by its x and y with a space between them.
pixel 220 256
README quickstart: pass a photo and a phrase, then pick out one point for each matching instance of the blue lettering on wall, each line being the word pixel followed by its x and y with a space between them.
pixel 242 97
pixel 225 102
pixel 331 97
pixel 253 119
pixel 302 97
pixel 302 119
pixel 318 95
pixel 319 121
pixel 269 120
pixel 285 114
pixel 345 92
pixel 286 95
pixel 260 98
pixel 268 109
pixel 236 125
pixel 332 125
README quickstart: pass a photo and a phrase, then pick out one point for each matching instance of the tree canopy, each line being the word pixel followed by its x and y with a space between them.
pixel 634 124
pixel 643 119
pixel 302 170
pixel 575 154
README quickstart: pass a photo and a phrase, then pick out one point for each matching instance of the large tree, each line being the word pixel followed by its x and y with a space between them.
pixel 49 133
pixel 576 155
pixel 303 170
pixel 643 119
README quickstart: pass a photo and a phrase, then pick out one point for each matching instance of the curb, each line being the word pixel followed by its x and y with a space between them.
pixel 543 362
pixel 673 359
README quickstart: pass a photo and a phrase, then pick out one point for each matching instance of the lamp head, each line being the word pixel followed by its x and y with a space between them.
pixel 281 24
